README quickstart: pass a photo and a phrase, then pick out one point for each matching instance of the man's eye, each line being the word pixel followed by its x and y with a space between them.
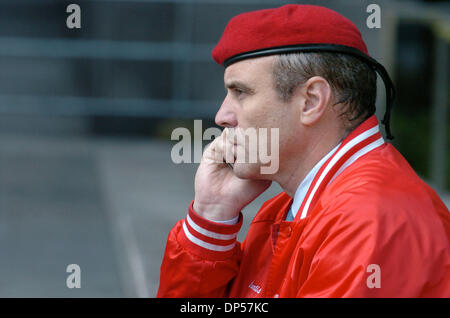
pixel 238 91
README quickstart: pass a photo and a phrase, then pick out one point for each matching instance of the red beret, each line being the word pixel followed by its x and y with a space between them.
pixel 289 26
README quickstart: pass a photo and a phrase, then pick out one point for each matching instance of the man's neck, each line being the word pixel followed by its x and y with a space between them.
pixel 298 166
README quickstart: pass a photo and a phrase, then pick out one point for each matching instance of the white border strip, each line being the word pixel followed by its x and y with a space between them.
pixel 209 233
pixel 358 154
pixel 206 245
pixel 335 159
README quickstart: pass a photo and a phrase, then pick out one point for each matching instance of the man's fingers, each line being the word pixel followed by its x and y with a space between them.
pixel 220 150
pixel 214 151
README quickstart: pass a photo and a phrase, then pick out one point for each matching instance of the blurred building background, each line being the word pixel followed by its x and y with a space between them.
pixel 86 117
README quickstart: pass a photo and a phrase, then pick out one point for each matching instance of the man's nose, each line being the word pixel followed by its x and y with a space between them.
pixel 226 117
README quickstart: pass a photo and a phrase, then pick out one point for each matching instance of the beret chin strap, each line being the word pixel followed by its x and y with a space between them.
pixel 390 97
pixel 377 67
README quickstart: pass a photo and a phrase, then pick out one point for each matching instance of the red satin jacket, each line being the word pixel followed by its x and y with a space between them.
pixel 368 227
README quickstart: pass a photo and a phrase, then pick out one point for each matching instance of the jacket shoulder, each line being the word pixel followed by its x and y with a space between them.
pixel 381 187
pixel 383 177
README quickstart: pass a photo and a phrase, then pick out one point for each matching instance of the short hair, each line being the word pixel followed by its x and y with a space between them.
pixel 353 82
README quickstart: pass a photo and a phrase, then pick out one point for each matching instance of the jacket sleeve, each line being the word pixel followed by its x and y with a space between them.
pixel 201 258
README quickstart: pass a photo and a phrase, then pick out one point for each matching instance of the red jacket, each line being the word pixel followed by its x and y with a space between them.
pixel 368 227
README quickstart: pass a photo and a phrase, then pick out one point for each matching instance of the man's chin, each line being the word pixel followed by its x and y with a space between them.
pixel 247 170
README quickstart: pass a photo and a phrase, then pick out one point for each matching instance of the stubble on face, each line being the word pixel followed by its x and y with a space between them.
pixel 261 108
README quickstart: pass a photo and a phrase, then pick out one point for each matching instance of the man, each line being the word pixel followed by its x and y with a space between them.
pixel 354 220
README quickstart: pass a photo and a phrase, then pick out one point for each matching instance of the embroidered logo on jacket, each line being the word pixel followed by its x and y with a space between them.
pixel 257 289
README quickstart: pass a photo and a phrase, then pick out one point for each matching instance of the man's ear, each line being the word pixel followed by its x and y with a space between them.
pixel 316 95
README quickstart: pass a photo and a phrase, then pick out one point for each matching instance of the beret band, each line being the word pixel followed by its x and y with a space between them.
pixel 334 48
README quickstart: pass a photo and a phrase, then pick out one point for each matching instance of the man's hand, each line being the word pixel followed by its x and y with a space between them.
pixel 219 193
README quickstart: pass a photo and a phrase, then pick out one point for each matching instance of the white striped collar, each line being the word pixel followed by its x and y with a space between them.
pixel 302 189
pixel 365 138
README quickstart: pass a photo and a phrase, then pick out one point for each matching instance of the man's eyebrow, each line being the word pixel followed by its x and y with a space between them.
pixel 240 85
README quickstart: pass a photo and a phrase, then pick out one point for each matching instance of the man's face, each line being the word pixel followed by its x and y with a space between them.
pixel 252 103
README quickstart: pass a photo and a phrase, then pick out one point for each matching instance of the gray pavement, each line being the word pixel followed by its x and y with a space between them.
pixel 106 204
